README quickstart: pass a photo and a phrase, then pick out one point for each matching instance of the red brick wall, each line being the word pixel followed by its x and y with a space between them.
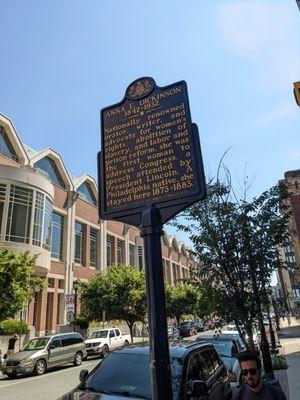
pixel 57 267
pixel 86 211
pixel 295 202
pixel 83 273
pixel 60 197
pixel 115 227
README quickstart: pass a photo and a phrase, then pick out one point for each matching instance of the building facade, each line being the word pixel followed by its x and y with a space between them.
pixel 46 211
pixel 289 278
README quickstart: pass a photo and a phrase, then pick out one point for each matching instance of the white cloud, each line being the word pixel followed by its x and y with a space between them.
pixel 265 33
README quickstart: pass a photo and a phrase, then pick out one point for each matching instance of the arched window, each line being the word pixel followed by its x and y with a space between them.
pixel 85 193
pixel 49 169
pixel 5 145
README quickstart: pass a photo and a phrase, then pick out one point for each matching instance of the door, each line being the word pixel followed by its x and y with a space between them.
pixel 55 355
pixel 119 338
pixel 113 341
pixel 194 373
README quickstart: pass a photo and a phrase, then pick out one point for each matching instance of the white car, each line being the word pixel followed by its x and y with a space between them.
pixel 101 342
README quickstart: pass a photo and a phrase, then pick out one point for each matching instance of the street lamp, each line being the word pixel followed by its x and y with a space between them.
pixel 76 285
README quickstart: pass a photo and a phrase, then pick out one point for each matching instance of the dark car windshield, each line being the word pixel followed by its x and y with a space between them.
pixel 129 374
pixel 122 373
pixel 98 334
pixel 36 344
pixel 224 347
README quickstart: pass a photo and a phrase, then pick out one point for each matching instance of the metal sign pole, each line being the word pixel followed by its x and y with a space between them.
pixel 151 232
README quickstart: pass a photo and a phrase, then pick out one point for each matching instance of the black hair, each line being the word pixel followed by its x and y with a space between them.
pixel 248 355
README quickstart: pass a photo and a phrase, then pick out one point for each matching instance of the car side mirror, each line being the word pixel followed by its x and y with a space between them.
pixel 83 375
pixel 197 389
pixel 51 346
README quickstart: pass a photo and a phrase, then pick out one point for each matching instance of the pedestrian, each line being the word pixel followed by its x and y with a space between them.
pixel 254 387
pixel 11 344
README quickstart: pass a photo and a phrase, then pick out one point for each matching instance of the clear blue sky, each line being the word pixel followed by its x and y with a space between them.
pixel 64 60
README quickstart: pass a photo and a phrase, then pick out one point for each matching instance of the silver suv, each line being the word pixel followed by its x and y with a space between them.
pixel 44 352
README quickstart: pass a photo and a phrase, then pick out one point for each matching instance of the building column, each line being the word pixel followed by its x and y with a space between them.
pixel 42 310
pixel 53 308
pixel 30 311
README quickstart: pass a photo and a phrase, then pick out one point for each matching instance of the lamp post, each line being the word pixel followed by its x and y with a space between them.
pixel 76 287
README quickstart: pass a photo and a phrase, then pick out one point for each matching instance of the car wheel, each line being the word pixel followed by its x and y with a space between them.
pixel 78 359
pixel 40 367
pixel 126 343
pixel 105 350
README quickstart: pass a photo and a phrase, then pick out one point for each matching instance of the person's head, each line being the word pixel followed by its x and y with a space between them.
pixel 16 336
pixel 250 368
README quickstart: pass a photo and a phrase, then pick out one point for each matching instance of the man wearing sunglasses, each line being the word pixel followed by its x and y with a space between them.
pixel 254 387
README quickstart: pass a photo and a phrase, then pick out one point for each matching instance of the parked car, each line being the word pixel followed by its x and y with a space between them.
pixel 126 373
pixel 199 326
pixel 187 328
pixel 228 348
pixel 99 343
pixel 173 332
pixel 235 335
pixel 41 353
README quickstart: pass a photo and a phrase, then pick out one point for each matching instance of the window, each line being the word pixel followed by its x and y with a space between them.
pixel 79 243
pixel 110 250
pixel 55 342
pixel 85 192
pixel 131 254
pixel 47 224
pixel 38 219
pixel 93 248
pixel 194 372
pixel 47 167
pixel 2 201
pixel 57 236
pixel 19 214
pixel 120 252
pixel 118 333
pixel 140 255
pixel 168 271
pixel 70 339
pixel 112 334
pixel 5 145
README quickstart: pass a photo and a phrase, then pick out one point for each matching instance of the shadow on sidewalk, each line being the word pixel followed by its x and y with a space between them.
pixel 291 332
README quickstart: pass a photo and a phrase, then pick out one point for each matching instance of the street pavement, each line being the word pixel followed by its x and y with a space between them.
pixel 53 384
pixel 290 341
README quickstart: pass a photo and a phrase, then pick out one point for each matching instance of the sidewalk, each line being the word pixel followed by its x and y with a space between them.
pixel 289 337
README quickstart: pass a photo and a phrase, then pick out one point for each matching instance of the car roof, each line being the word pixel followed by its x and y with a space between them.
pixel 177 348
pixel 226 338
pixel 56 334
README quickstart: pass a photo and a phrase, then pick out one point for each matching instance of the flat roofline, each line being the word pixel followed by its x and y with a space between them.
pixel 292 174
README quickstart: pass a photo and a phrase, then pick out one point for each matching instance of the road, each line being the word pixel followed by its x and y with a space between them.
pixel 50 386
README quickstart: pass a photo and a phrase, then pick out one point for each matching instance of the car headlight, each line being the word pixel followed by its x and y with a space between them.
pixel 27 361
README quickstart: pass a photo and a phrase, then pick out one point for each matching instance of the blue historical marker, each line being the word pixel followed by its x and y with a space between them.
pixel 150 168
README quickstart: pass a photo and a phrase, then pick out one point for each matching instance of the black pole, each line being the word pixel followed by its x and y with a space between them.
pixel 75 308
pixel 151 232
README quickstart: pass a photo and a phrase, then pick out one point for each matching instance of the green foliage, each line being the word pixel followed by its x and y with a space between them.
pixel 181 299
pixel 82 322
pixel 279 362
pixel 120 291
pixel 16 281
pixel 236 243
pixel 12 326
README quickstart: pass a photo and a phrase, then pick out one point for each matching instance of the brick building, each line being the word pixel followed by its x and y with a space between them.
pixel 44 210
pixel 289 278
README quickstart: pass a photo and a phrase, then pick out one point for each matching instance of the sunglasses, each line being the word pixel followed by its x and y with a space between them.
pixel 251 371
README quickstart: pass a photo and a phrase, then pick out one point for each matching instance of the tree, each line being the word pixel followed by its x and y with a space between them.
pixel 120 291
pixel 16 281
pixel 236 242
pixel 181 299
